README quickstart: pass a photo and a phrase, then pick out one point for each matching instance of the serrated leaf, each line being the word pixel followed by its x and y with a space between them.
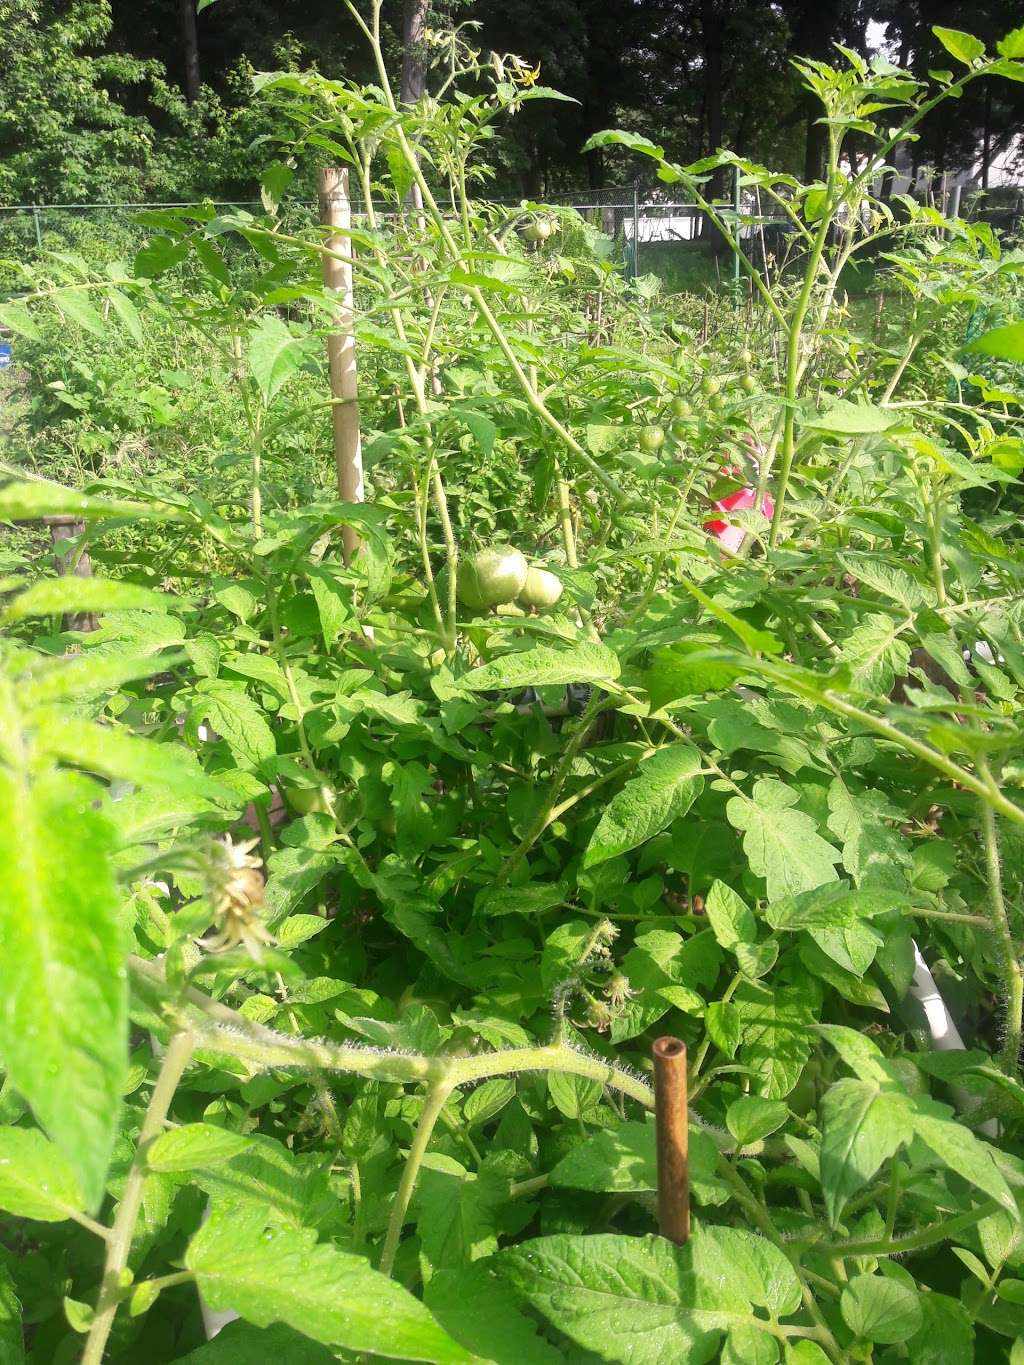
pixel 888 580
pixel 544 665
pixel 963 46
pixel 233 714
pixel 729 916
pixel 274 355
pixel 77 307
pixel 53 596
pixel 863 1127
pixel 12 1339
pixel 639 1299
pixel 28 501
pixel 456 1212
pixel 1012 46
pixel 724 1025
pixel 946 1334
pixel 36 1181
pixel 776 1035
pixel 478 1308
pixel 833 906
pixel 193 1146
pixel 875 654
pixel 959 1149
pixel 267 1174
pixel 64 1012
pixel 79 676
pixel 269 1273
pixel 130 758
pixel 843 418
pixel 17 317
pixel 665 787
pixel 127 313
pixel 782 844
pixel 619 1160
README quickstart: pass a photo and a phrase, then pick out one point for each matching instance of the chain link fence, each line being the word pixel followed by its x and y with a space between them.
pixel 653 228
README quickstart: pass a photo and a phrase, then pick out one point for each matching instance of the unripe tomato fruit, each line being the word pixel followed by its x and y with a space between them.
pixel 309 800
pixel 748 384
pixel 539 230
pixel 652 439
pixel 542 589
pixel 681 408
pixel 709 386
pixel 746 357
pixel 679 431
pixel 716 403
pixel 491 576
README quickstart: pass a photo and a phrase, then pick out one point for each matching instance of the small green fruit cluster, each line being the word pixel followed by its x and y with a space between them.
pixel 499 574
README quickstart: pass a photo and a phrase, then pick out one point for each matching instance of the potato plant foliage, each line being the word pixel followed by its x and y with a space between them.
pixel 337 918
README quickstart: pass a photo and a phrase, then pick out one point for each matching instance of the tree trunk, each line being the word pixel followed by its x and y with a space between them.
pixel 413 78
pixel 986 137
pixel 190 48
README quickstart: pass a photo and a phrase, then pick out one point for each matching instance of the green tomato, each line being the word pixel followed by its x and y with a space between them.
pixel 491 577
pixel 746 358
pixel 542 589
pixel 681 407
pixel 539 230
pixel 716 403
pixel 652 439
pixel 748 384
pixel 309 800
pixel 709 386
pixel 680 432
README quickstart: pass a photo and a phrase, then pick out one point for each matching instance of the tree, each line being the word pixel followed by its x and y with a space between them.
pixel 64 133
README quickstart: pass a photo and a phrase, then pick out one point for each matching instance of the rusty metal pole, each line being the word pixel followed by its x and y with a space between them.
pixel 672 1131
pixel 336 213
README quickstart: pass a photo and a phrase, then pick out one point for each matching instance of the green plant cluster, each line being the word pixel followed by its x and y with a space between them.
pixel 346 878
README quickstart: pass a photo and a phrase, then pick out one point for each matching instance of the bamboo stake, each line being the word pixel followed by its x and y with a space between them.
pixel 336 213
pixel 671 1127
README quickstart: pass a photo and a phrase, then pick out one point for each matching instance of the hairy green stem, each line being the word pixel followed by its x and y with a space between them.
pixel 223 1030
pixel 1013 975
pixel 176 1059
pixel 793 356
pixel 433 1102
pixel 913 1241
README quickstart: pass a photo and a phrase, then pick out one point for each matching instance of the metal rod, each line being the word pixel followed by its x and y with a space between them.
pixel 673 1142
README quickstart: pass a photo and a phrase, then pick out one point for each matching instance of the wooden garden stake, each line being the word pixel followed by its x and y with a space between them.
pixel 672 1131
pixel 72 561
pixel 336 212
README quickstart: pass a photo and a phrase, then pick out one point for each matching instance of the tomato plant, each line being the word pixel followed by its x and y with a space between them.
pixel 343 894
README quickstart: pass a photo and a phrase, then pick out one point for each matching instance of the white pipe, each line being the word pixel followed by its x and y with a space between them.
pixel 944 1032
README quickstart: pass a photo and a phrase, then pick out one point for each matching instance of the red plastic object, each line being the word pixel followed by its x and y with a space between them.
pixel 731 537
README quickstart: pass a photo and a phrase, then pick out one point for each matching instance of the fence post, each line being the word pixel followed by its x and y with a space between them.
pixel 636 231
pixel 39 231
pixel 336 213
pixel 736 228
